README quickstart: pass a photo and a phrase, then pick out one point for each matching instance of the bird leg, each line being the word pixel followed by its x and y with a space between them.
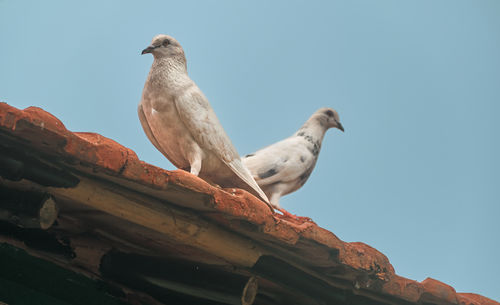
pixel 195 165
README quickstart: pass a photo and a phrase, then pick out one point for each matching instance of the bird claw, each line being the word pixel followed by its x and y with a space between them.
pixel 276 218
pixel 213 184
pixel 287 214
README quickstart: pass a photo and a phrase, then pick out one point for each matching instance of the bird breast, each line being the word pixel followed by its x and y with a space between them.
pixel 168 129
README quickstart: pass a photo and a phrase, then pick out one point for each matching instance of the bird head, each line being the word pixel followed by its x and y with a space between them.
pixel 329 118
pixel 164 46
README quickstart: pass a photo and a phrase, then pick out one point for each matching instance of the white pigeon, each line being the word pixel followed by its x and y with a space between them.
pixel 285 166
pixel 179 121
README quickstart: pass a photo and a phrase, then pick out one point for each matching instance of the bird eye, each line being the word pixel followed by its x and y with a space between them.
pixel 329 113
pixel 166 42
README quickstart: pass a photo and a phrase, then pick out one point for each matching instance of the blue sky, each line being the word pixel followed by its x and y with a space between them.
pixel 416 83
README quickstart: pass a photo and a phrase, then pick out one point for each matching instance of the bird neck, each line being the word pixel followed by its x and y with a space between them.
pixel 168 74
pixel 313 129
pixel 170 65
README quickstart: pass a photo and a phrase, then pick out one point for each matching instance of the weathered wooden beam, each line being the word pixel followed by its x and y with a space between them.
pixel 16 165
pixel 173 223
pixel 27 209
pixel 168 279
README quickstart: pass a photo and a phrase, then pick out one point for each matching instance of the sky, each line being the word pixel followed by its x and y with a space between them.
pixel 416 84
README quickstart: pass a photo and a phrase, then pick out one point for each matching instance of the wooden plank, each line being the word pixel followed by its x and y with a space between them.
pixel 176 225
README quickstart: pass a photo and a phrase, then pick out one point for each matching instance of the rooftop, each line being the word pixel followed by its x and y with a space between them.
pixel 110 216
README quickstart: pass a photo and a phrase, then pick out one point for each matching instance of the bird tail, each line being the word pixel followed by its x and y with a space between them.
pixel 244 174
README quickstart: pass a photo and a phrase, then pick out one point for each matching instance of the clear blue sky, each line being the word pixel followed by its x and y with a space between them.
pixel 416 83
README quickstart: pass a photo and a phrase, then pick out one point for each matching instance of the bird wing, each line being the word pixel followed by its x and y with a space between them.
pixel 147 128
pixel 200 119
pixel 283 161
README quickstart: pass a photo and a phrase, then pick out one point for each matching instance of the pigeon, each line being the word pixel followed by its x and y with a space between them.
pixel 179 121
pixel 285 166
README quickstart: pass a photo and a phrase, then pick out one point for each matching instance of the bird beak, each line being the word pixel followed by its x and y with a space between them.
pixel 339 126
pixel 149 49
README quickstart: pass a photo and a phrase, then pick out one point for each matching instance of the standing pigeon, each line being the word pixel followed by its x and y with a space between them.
pixel 179 121
pixel 284 167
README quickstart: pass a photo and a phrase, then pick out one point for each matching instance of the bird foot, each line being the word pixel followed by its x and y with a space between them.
pixel 287 214
pixel 213 184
